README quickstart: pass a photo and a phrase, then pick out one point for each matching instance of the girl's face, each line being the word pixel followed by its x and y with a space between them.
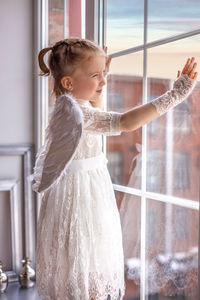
pixel 89 79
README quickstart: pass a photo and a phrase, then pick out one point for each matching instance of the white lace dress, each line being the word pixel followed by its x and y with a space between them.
pixel 79 254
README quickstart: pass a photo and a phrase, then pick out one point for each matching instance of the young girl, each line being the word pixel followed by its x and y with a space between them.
pixel 79 253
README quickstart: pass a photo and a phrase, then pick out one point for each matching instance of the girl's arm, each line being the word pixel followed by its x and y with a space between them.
pixel 137 117
pixel 183 86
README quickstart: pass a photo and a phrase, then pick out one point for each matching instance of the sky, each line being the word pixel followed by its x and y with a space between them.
pixel 165 18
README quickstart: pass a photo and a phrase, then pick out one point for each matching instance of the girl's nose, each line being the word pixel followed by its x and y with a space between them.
pixel 103 81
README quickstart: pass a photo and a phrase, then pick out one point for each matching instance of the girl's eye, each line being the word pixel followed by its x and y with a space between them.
pixel 97 74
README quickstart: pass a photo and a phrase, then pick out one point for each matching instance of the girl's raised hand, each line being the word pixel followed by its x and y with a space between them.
pixel 108 59
pixel 189 69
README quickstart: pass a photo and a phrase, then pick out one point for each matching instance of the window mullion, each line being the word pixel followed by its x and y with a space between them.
pixel 83 19
pixel 143 283
pixel 169 178
pixel 156 43
pixel 65 19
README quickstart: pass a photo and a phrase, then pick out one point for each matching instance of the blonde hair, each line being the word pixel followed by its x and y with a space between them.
pixel 65 56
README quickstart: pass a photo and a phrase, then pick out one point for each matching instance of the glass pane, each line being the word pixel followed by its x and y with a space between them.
pixel 57 30
pixel 130 211
pixel 56 33
pixel 171 251
pixel 124 91
pixel 173 140
pixel 124 24
pixel 56 20
pixel 165 60
pixel 167 17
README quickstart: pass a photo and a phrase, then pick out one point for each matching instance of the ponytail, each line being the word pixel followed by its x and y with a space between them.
pixel 43 67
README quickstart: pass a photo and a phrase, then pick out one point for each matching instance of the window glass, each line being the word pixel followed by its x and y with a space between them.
pixel 124 90
pixel 182 118
pixel 155 170
pixel 178 130
pixel 115 159
pixel 165 60
pixel 171 251
pixel 64 22
pixel 181 170
pixel 168 17
pixel 130 214
pixel 56 20
pixel 124 24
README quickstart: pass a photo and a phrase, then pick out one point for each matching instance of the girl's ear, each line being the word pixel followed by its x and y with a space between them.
pixel 67 83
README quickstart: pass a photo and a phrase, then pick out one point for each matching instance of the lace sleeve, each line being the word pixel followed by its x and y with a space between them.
pixel 101 122
pixel 182 88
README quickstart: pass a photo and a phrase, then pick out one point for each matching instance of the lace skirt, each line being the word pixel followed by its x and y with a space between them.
pixel 79 252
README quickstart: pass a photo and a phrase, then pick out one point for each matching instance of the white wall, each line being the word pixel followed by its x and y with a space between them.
pixel 16 99
pixel 16 40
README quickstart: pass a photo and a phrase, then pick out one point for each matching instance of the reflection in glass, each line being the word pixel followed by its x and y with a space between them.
pixel 130 212
pixel 155 170
pixel 171 248
pixel 183 117
pixel 168 18
pixel 124 91
pixel 171 251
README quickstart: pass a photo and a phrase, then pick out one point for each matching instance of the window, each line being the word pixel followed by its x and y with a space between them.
pixel 149 43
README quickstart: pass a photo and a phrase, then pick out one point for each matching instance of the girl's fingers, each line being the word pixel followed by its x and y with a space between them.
pixel 186 66
pixel 194 76
pixel 105 48
pixel 190 67
pixel 191 72
pixel 108 63
pixel 178 73
pixel 108 58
